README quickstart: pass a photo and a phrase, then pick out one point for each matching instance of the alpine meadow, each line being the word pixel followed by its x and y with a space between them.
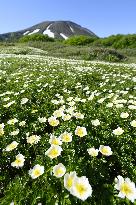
pixel 67 102
pixel 67 131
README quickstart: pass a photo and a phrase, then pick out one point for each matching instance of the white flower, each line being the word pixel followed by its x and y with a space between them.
pixel 105 150
pixel 61 101
pixel 12 121
pixel 53 121
pixel 9 104
pixel 70 99
pixel 33 139
pixel 77 99
pixel 34 111
pixel 69 179
pixel 59 170
pixel 109 105
pixel 93 152
pixel 126 188
pixel 81 188
pixel 22 123
pixel 11 146
pixel 78 115
pixel 66 117
pixel 80 131
pixel 132 107
pixel 27 134
pixel 54 140
pixel 56 102
pixel 101 100
pixel 71 103
pixel 2 126
pixel 19 162
pixel 70 110
pixel 66 137
pixel 133 123
pixel 95 122
pixel 119 105
pixel 118 131
pixel 42 119
pixel 14 132
pixel 62 108
pixel 58 113
pixel 54 151
pixel 88 92
pixel 124 115
pixel 1 131
pixel 91 97
pixel 83 100
pixel 86 88
pixel 36 171
pixel 134 79
pixel 24 100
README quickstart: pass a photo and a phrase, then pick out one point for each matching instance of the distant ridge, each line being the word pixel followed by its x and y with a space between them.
pixel 54 29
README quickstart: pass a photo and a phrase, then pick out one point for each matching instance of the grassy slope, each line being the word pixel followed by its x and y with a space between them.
pixel 58 49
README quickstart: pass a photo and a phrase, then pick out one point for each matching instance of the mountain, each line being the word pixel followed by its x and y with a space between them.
pixel 54 29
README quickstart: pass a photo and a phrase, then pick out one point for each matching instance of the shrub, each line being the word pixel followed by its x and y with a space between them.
pixel 104 54
pixel 79 40
pixel 127 41
pixel 36 37
pixel 117 41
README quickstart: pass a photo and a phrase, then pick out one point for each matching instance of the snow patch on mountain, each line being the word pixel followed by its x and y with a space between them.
pixel 26 33
pixel 63 35
pixel 35 31
pixel 49 26
pixel 49 33
pixel 71 29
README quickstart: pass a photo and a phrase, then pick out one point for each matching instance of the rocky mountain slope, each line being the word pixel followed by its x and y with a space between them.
pixel 54 29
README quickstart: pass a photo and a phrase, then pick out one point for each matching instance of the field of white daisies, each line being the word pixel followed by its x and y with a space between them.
pixel 67 131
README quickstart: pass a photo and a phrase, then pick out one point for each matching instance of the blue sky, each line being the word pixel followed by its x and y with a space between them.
pixel 103 17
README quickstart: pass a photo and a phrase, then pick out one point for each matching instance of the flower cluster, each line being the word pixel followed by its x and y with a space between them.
pixel 67 127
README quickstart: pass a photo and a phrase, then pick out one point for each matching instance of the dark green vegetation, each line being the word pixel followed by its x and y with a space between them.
pixel 36 37
pixel 80 40
pixel 115 41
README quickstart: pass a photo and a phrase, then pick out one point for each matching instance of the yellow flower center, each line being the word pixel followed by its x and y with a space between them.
pixel 126 189
pixel 54 123
pixel 36 172
pixel 1 131
pixel 55 141
pixel 18 161
pixel 32 139
pixel 59 171
pixel 53 153
pixel 80 132
pixel 66 138
pixel 105 150
pixel 12 122
pixel 81 188
pixel 11 146
pixel 69 182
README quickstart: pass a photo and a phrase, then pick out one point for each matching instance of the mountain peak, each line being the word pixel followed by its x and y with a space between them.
pixel 55 29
